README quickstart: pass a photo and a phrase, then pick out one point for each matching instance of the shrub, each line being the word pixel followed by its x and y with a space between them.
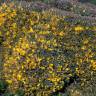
pixel 42 51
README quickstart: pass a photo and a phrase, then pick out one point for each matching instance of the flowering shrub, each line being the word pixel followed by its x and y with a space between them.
pixel 41 51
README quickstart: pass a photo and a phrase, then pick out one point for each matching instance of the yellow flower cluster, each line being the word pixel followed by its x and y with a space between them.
pixel 7 9
pixel 79 29
pixel 93 64
pixel 22 46
pixel 41 50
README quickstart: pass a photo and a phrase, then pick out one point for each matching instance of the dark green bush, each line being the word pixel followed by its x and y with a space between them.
pixel 3 86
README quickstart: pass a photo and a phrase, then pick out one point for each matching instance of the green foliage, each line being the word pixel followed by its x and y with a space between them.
pixel 19 92
pixel 1 39
pixel 93 1
pixel 45 1
pixel 90 1
pixel 8 94
pixel 3 86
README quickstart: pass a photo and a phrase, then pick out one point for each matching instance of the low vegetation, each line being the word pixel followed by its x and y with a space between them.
pixel 42 53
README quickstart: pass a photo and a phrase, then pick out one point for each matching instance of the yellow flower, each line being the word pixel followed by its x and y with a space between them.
pixel 55 80
pixel 19 50
pixel 85 41
pixel 42 67
pixel 19 76
pixel 30 30
pixel 32 65
pixel 93 64
pixel 2 15
pixel 94 28
pixel 61 33
pixel 13 13
pixel 22 66
pixel 79 28
pixel 46 26
pixel 51 65
pixel 4 5
pixel 9 81
pixel 39 59
pixel 59 68
pixel 1 20
pixel 67 69
pixel 14 25
pixel 31 22
pixel 83 47
pixel 42 40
